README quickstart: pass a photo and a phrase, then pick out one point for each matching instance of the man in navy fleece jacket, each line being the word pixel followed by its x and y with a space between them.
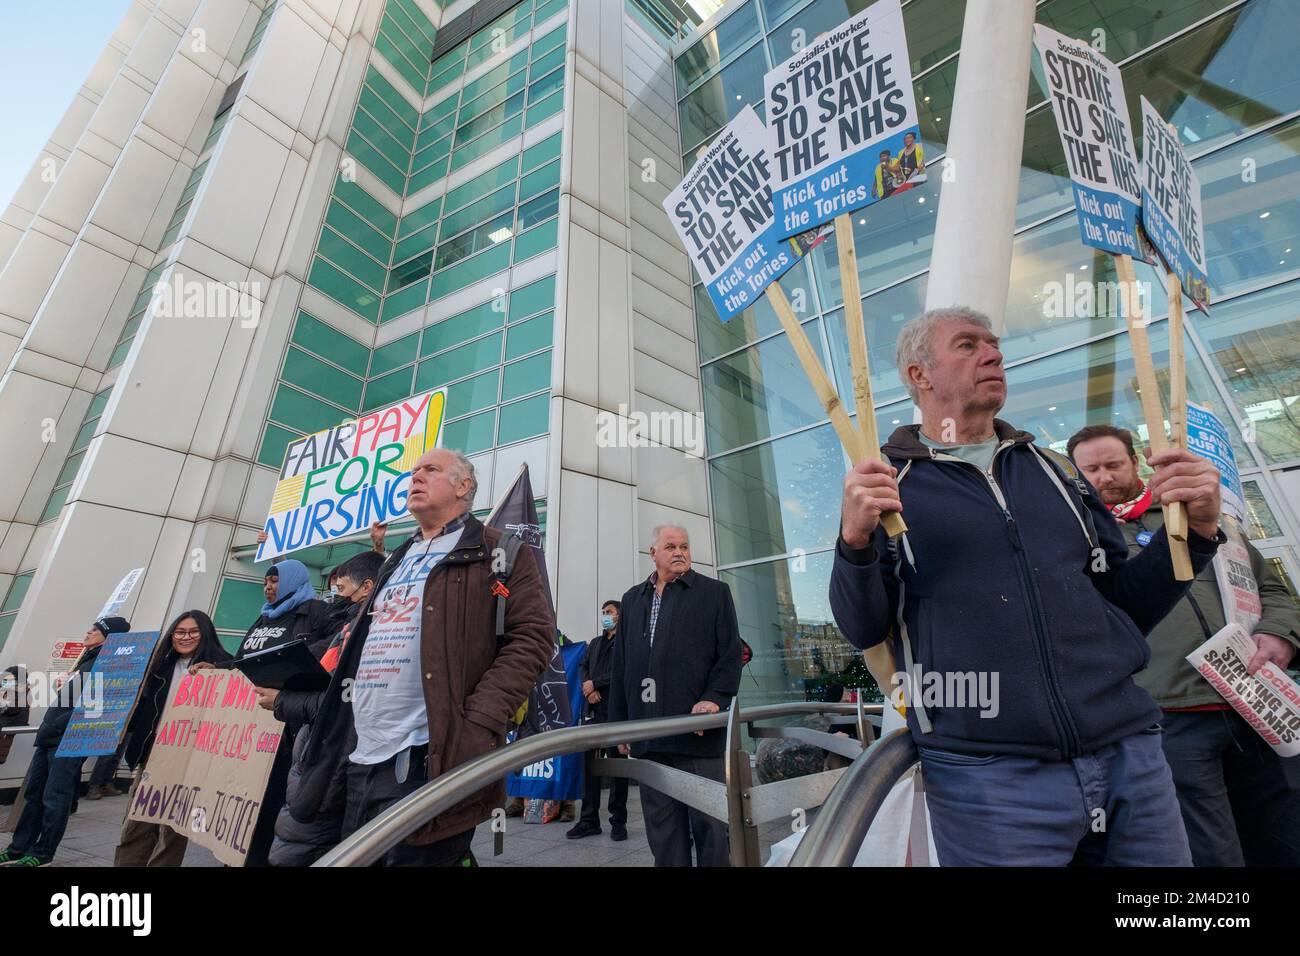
pixel 1013 576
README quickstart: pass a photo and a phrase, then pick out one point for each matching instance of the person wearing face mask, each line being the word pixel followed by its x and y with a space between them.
pixel 595 672
pixel 190 639
pixel 296 843
pixel 14 710
pixel 52 781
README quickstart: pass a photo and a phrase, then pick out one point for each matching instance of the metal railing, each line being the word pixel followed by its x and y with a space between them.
pixel 736 801
pixel 835 837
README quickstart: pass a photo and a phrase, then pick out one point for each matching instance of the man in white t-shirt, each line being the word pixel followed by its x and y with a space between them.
pixel 426 683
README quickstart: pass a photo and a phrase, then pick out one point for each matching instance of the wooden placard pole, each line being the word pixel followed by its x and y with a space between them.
pixel 857 333
pixel 1176 512
pixel 1149 392
pixel 849 437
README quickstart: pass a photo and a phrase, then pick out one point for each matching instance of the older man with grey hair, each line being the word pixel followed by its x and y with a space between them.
pixel 1019 617
pixel 677 651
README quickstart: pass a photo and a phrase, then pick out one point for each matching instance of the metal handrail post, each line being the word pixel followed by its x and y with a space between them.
pixel 742 833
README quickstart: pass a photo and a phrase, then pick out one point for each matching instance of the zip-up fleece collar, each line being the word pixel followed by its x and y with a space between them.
pixel 905 442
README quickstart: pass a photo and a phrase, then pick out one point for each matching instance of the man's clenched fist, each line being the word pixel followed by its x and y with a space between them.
pixel 1187 477
pixel 869 490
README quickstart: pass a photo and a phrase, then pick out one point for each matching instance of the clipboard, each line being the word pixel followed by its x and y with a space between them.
pixel 289 666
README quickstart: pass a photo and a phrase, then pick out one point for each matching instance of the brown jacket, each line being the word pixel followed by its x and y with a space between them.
pixel 471 685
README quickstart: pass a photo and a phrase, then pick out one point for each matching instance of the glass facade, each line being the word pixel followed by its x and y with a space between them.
pixel 1221 71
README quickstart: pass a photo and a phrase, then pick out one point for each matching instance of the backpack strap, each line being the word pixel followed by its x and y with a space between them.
pixel 1065 476
pixel 501 572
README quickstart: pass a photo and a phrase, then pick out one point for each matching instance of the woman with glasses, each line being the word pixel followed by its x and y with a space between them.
pixel 192 639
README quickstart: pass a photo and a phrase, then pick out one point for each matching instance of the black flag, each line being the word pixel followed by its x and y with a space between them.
pixel 516 513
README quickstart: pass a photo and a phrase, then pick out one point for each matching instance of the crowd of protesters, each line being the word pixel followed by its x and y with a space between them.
pixel 1052 571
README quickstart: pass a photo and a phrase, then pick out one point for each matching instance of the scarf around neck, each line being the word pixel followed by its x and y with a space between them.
pixel 1134 508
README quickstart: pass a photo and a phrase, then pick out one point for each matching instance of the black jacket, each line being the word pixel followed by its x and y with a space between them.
pixel 152 701
pixel 309 622
pixel 56 718
pixel 695 657
pixel 596 666
pixel 997 576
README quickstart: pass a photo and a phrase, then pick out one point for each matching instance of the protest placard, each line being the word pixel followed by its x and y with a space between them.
pixel 722 210
pixel 1208 437
pixel 1171 206
pixel 211 758
pixel 1268 700
pixel 340 480
pixel 120 593
pixel 842 126
pixel 1086 91
pixel 1235 576
pixel 99 719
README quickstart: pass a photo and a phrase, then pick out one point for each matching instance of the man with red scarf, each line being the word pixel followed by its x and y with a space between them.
pixel 1236 802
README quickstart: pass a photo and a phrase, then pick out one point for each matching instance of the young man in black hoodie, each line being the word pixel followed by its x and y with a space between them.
pixel 52 781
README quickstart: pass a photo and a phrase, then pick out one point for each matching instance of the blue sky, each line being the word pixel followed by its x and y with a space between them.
pixel 46 50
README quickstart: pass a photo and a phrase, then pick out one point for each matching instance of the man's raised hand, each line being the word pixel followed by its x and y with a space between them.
pixel 1183 476
pixel 870 489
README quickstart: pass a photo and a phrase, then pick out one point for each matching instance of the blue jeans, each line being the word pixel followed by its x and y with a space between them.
pixel 51 785
pixel 1114 807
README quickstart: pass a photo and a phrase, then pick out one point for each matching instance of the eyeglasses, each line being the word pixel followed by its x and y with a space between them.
pixel 187 632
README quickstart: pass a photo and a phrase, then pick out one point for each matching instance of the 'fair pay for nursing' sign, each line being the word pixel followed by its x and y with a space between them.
pixel 723 213
pixel 1087 97
pixel 1171 206
pixel 842 127
pixel 344 478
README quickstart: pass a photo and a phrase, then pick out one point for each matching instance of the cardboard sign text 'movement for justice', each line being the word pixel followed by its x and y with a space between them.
pixel 841 118
pixel 722 210
pixel 212 755
pixel 340 480
pixel 1087 95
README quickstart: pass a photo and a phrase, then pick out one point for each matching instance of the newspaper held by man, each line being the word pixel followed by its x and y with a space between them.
pixel 1268 700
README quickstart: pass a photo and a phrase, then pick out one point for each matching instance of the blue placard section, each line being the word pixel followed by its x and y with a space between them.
pixel 1209 438
pixel 760 264
pixel 108 693
pixel 556 778
pixel 1107 221
pixel 857 180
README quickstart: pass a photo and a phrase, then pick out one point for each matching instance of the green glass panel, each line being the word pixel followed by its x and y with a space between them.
pixel 238 604
pixel 542 152
pixel 420 40
pixel 381 139
pixel 532 298
pixel 549 9
pixel 550 41
pixel 119 353
pixel 57 498
pixel 416 244
pixel 303 412
pixel 482 184
pixel 17 591
pixel 539 209
pixel 410 271
pixel 526 419
pixel 490 119
pixel 460 328
pixel 315 376
pixel 98 403
pixel 529 336
pixel 435 152
pixel 471 270
pixel 358 230
pixel 274 442
pixel 545 108
pixel 540 179
pixel 347 256
pixel 6 625
pixel 481 84
pixel 415 221
pixel 546 85
pixel 470 435
pixel 344 289
pixel 375 161
pixel 549 61
pixel 84 434
pixel 416 18
pixel 410 298
pixel 381 113
pixel 393 54
pixel 446 70
pixel 388 389
pixel 472 394
pixel 493 234
pixel 324 340
pixel 530 375
pixel 487 142
pixel 430 174
pixel 487 207
pixel 732 35
pixel 536 241
pixel 461 361
pixel 395 354
pixel 69 469
pixel 361 202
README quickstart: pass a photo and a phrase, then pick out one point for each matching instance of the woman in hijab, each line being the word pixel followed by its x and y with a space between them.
pixel 291 612
pixel 191 639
